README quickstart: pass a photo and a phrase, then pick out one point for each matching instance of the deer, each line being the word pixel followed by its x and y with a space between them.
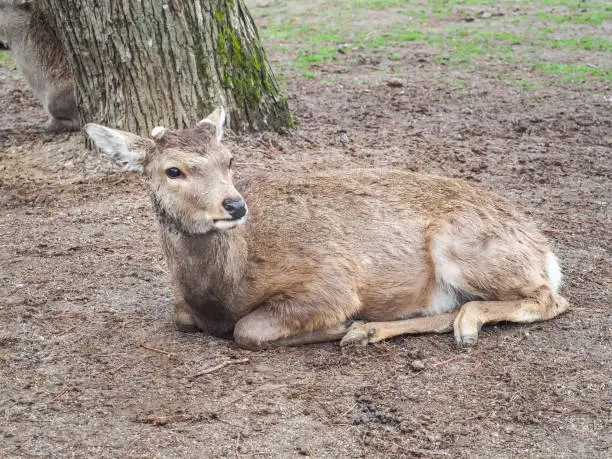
pixel 356 256
pixel 40 55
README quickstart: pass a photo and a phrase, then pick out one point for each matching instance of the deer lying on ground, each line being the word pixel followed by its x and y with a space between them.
pixel 41 57
pixel 312 252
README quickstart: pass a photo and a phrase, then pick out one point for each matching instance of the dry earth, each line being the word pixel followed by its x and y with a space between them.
pixel 85 295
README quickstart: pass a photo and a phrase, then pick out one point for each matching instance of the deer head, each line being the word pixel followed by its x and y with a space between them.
pixel 188 173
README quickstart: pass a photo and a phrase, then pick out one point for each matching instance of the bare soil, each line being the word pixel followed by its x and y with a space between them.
pixel 90 364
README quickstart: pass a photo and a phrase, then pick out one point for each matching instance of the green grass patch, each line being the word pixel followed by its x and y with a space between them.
pixel 588 43
pixel 579 73
pixel 462 47
pixel 316 55
pixel 460 2
pixel 378 4
pixel 390 38
pixel 586 17
pixel 6 60
pixel 577 4
pixel 527 85
pixel 321 29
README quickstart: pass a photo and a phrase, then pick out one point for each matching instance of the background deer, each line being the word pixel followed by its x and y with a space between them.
pixel 313 252
pixel 40 56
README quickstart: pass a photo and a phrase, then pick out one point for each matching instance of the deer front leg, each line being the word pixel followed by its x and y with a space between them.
pixel 182 317
pixel 372 332
pixel 263 328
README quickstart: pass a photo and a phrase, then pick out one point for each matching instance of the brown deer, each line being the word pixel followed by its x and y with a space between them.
pixel 40 55
pixel 314 252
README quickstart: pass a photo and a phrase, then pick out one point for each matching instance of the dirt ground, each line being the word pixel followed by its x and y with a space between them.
pixel 90 365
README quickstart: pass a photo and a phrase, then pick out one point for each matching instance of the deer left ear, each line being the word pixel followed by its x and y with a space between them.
pixel 217 119
pixel 127 149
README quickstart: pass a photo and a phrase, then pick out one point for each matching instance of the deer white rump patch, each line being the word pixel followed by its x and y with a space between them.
pixel 446 269
pixel 442 300
pixel 554 271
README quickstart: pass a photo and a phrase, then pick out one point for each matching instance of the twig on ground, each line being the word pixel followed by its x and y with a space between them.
pixel 163 420
pixel 71 315
pixel 112 371
pixel 63 332
pixel 57 397
pixel 157 350
pixel 253 392
pixel 348 411
pixel 65 391
pixel 217 367
pixel 444 362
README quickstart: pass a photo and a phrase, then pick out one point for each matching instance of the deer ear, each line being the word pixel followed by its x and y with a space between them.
pixel 217 119
pixel 127 149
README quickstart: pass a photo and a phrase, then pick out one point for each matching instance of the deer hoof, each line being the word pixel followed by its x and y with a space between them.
pixel 354 338
pixel 184 322
pixel 466 340
pixel 359 334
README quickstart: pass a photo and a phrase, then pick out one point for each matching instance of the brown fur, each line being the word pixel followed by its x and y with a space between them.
pixel 319 250
pixel 41 57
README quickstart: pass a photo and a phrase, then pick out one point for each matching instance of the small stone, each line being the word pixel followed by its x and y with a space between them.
pixel 417 365
pixel 395 83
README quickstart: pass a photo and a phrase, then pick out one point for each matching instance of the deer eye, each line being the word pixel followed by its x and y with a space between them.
pixel 174 172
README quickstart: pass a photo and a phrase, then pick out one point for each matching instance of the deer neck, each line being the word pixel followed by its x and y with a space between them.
pixel 208 270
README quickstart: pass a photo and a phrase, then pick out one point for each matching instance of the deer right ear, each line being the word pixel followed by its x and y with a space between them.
pixel 127 149
pixel 217 119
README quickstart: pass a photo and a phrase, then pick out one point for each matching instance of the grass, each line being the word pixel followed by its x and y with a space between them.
pixel 527 85
pixel 543 30
pixel 590 17
pixel 316 55
pixel 587 43
pixel 390 38
pixel 6 60
pixel 578 73
pixel 577 4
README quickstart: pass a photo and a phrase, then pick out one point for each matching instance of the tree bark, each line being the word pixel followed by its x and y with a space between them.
pixel 144 63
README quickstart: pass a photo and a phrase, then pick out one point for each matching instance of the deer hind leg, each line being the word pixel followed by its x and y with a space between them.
pixel 545 305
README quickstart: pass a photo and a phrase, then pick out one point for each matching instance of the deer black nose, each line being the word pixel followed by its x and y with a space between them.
pixel 237 209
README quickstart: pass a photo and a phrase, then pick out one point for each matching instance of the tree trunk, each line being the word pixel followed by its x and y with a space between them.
pixel 144 63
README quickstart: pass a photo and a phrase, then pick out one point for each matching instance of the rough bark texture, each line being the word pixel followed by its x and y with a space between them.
pixel 143 63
